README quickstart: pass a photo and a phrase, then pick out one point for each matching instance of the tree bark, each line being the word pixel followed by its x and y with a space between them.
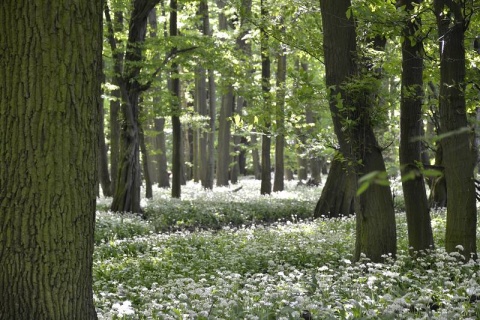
pixel 49 100
pixel 127 191
pixel 376 234
pixel 420 236
pixel 278 182
pixel 458 157
pixel 163 176
pixel 176 110
pixel 266 182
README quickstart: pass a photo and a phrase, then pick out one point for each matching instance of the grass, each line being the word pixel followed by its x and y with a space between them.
pixel 239 255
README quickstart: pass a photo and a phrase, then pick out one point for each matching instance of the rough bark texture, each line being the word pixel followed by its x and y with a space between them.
pixel 420 235
pixel 458 156
pixel 376 234
pixel 49 94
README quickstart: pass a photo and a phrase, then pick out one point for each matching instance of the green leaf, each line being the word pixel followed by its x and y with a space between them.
pixel 363 187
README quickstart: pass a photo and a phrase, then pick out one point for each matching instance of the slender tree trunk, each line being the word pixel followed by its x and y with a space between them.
pixel 420 235
pixel 103 173
pixel 176 125
pixel 115 104
pixel 266 183
pixel 163 176
pixel 376 234
pixel 223 148
pixel 278 182
pixel 458 157
pixel 211 135
pixel 146 171
pixel 50 69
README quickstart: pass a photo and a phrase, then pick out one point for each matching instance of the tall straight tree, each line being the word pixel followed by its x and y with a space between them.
pixel 49 95
pixel 127 190
pixel 453 18
pixel 278 181
pixel 375 218
pixel 266 182
pixel 420 235
pixel 177 148
pixel 225 114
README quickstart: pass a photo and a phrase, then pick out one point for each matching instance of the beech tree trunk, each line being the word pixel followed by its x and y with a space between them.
pixel 163 177
pixel 103 173
pixel 266 182
pixel 376 233
pixel 177 158
pixel 458 156
pixel 278 182
pixel 50 68
pixel 420 236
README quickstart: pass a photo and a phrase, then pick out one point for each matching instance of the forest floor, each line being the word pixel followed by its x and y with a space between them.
pixel 226 254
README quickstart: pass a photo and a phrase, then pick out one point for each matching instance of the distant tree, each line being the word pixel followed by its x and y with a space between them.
pixel 420 235
pixel 50 71
pixel 459 158
pixel 266 183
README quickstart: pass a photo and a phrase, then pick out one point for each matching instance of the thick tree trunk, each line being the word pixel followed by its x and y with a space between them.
pixel 49 95
pixel 458 157
pixel 376 234
pixel 338 194
pixel 420 235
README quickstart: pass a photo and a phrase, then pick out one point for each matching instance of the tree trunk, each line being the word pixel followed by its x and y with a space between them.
pixel 127 191
pixel 162 167
pixel 420 235
pixel 266 183
pixel 176 125
pixel 458 157
pixel 146 171
pixel 49 101
pixel 223 147
pixel 278 182
pixel 211 134
pixel 103 173
pixel 376 234
pixel 338 194
pixel 115 104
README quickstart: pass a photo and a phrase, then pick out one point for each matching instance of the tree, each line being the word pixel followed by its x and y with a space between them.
pixel 278 182
pixel 349 102
pixel 50 71
pixel 420 235
pixel 127 190
pixel 459 159
pixel 177 147
pixel 266 182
